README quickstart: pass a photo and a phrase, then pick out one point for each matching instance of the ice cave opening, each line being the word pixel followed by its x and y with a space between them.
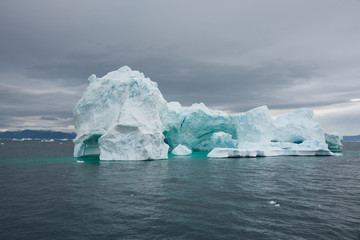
pixel 90 146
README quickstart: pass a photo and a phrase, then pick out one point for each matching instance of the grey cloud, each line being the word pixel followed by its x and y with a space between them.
pixel 189 81
pixel 232 55
pixel 16 103
pixel 48 118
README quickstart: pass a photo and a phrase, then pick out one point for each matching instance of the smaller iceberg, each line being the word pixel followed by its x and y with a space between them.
pixel 334 141
pixel 294 134
pixel 181 150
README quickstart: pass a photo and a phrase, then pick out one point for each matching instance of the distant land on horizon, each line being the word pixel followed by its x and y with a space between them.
pixel 36 134
pixel 351 138
pixel 47 134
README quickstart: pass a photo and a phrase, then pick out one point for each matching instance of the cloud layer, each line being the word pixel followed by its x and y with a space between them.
pixel 231 55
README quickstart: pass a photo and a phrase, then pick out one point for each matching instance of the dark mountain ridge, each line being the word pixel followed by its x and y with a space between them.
pixel 352 138
pixel 36 134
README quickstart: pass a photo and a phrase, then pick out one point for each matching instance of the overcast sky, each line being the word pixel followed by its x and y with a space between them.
pixel 231 55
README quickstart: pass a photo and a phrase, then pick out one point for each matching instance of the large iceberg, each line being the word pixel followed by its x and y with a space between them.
pixel 119 117
pixel 123 116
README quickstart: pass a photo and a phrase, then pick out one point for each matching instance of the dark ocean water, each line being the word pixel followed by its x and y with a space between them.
pixel 47 194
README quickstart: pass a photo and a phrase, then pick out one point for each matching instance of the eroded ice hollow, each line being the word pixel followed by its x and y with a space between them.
pixel 123 116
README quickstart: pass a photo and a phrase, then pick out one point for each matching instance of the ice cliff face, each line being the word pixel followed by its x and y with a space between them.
pixel 123 116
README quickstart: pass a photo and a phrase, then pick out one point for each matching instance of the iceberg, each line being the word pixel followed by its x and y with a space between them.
pixel 181 150
pixel 123 116
pixel 118 117
pixel 334 141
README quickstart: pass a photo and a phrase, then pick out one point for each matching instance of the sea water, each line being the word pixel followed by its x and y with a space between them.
pixel 47 194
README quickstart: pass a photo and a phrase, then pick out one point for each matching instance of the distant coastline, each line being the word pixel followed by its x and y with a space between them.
pixel 36 134
pixel 352 138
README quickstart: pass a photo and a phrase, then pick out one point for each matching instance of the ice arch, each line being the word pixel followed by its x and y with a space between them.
pixel 194 126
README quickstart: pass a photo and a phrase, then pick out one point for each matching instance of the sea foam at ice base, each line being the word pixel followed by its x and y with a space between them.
pixel 123 116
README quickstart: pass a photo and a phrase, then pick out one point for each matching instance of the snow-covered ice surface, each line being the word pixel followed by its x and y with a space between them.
pixel 123 116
